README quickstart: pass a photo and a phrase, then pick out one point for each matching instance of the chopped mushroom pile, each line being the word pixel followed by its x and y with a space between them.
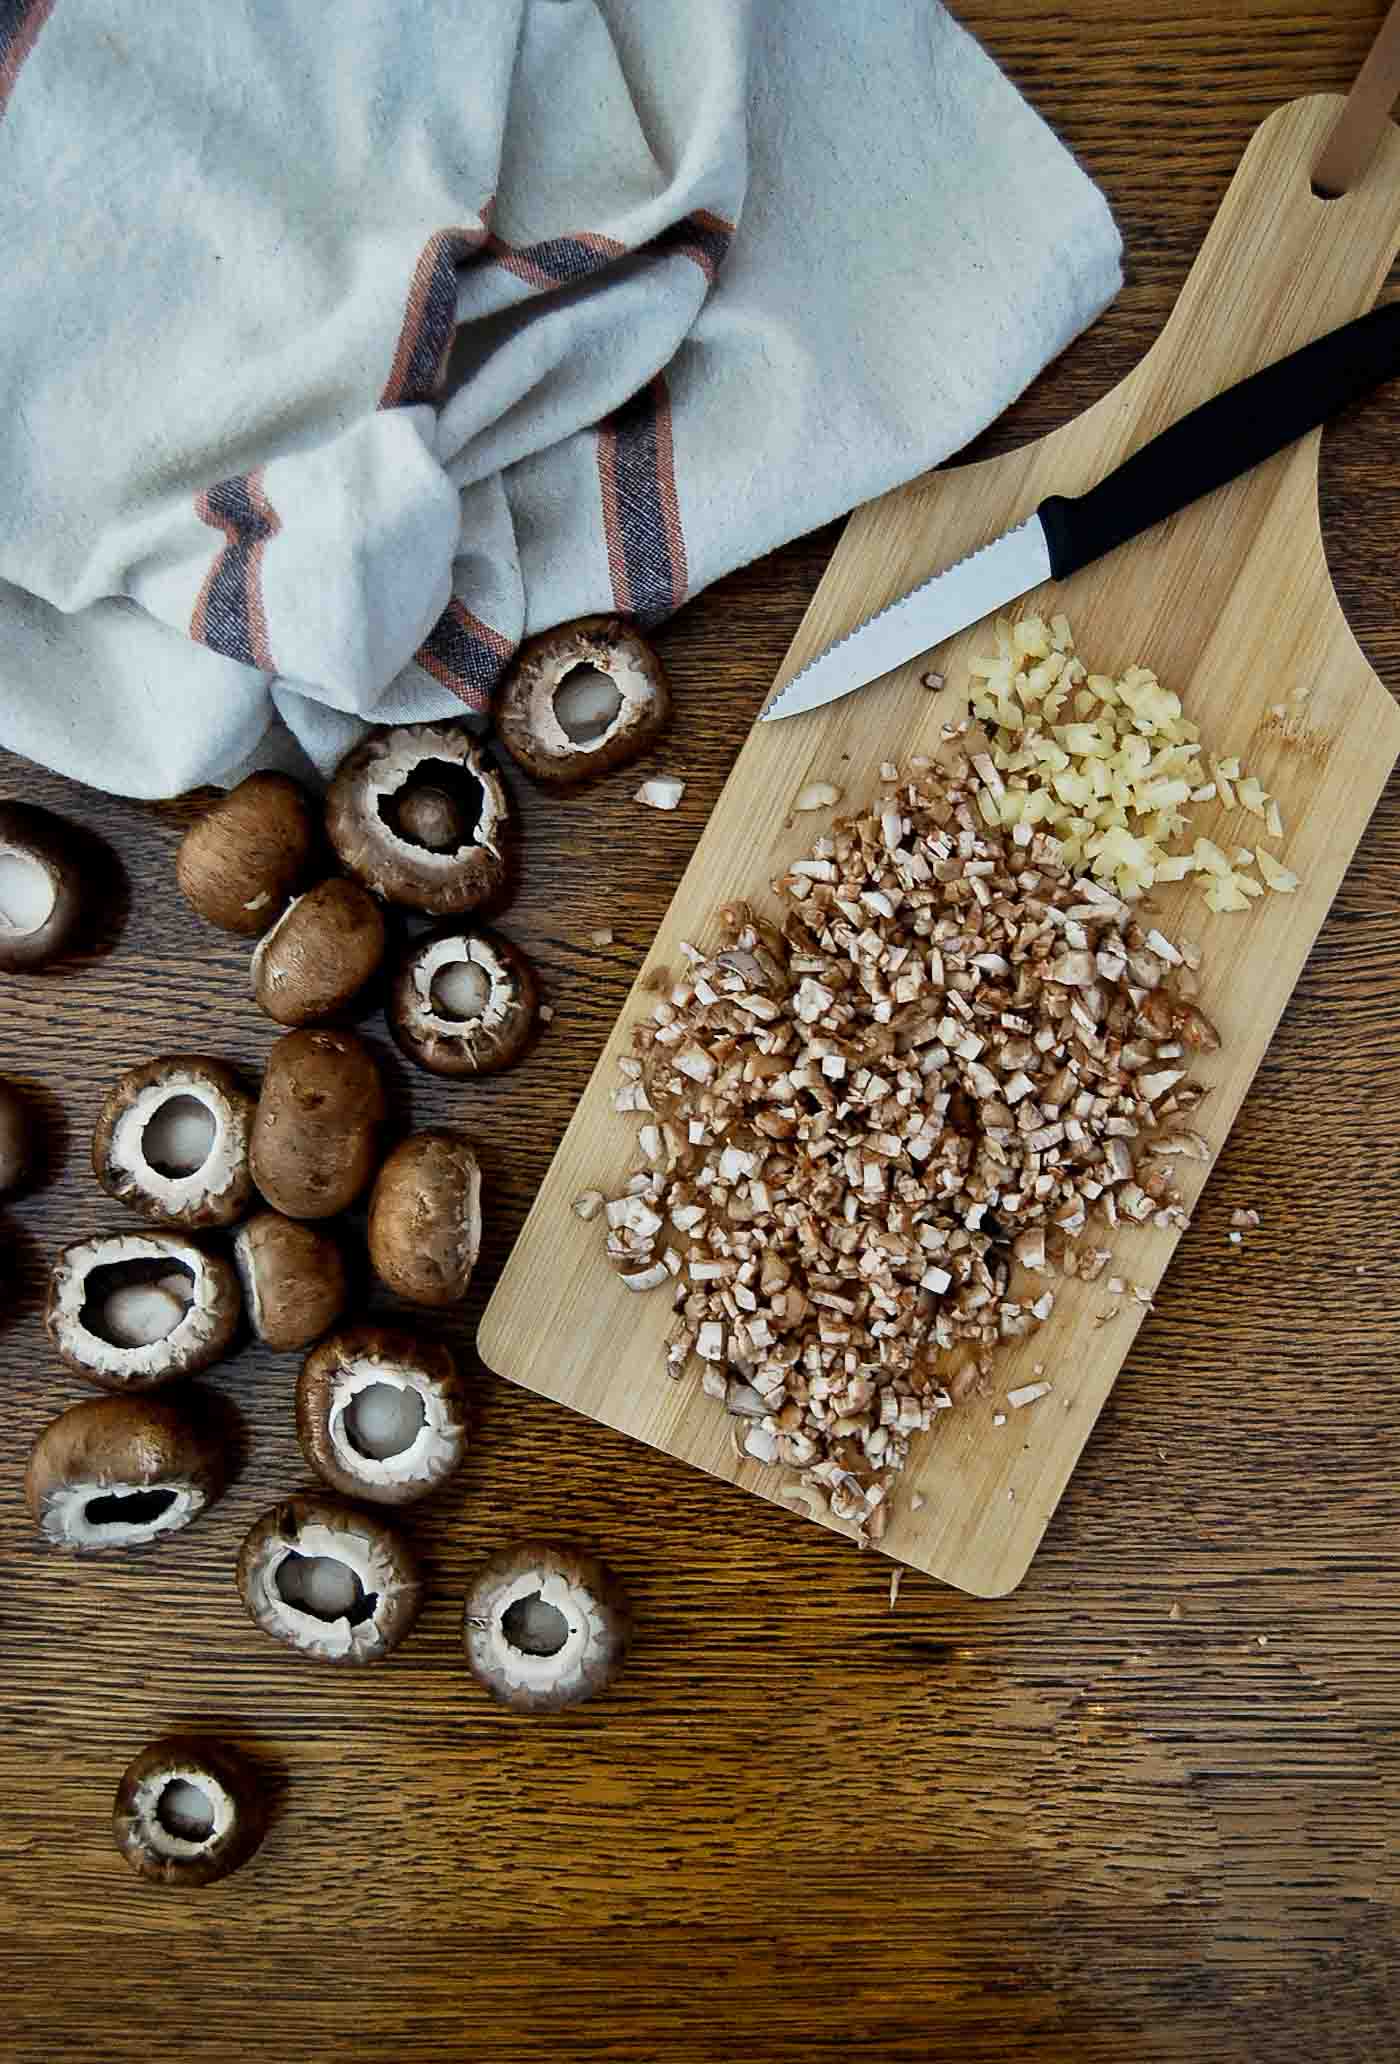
pixel 872 1133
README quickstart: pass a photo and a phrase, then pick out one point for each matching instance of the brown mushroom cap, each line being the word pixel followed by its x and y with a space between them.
pixel 437 1021
pixel 130 1311
pixel 149 1817
pixel 363 1365
pixel 384 849
pixel 172 1142
pixel 293 1277
pixel 546 1625
pixel 16 1137
pixel 41 888
pixel 527 718
pixel 355 1614
pixel 315 1136
pixel 244 858
pixel 120 1472
pixel 425 1218
pixel 320 953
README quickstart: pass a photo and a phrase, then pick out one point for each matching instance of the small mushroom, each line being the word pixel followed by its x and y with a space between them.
pixel 189 1810
pixel 417 815
pixel 241 862
pixel 172 1142
pixel 315 1136
pixel 381 1414
pixel 328 1580
pixel 582 699
pixel 41 886
pixel 320 953
pixel 462 1002
pixel 546 1625
pixel 129 1311
pixel 293 1277
pixel 16 1137
pixel 425 1218
pixel 120 1472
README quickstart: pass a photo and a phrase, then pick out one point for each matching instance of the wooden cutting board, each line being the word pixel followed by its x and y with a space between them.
pixel 1231 603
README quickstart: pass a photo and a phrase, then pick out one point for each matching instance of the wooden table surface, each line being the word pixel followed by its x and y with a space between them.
pixel 1145 1808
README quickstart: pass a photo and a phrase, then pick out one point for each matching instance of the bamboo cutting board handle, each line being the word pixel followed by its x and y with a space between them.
pixel 1231 602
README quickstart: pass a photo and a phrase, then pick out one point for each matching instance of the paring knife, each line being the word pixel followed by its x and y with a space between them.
pixel 1217 442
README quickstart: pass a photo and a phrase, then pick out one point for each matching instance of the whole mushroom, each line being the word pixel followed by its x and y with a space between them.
pixel 582 699
pixel 293 1277
pixel 41 885
pixel 546 1625
pixel 319 955
pixel 120 1472
pixel 425 1218
pixel 462 1002
pixel 241 862
pixel 189 1810
pixel 315 1138
pixel 417 816
pixel 172 1142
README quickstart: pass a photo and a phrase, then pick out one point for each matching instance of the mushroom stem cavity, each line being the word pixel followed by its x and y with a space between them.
pixel 534 1626
pixel 185 1810
pixel 127 1510
pixel 129 1306
pixel 179 1136
pixel 324 1588
pixel 27 893
pixel 438 807
pixel 586 704
pixel 461 989
pixel 384 1419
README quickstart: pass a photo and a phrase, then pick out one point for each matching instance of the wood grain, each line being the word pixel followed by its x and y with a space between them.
pixel 1233 604
pixel 1063 1826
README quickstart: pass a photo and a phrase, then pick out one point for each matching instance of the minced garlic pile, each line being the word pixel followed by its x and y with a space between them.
pixel 1110 769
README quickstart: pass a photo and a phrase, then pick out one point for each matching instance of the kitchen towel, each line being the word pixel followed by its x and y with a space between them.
pixel 343 343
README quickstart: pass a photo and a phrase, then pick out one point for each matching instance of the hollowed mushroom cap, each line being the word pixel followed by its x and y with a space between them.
pixel 293 1277
pixel 16 1137
pixel 150 1837
pixel 320 953
pixel 41 888
pixel 120 1472
pixel 164 1270
pixel 455 1035
pixel 219 1189
pixel 242 860
pixel 581 1590
pixel 315 1526
pixel 425 1218
pixel 527 721
pixel 351 1362
pixel 365 825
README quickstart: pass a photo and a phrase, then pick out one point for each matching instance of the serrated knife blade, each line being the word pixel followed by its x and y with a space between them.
pixel 1011 565
pixel 1215 443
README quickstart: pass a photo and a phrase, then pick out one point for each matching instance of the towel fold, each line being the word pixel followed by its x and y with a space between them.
pixel 343 345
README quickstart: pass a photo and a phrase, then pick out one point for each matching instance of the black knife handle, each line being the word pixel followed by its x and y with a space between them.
pixel 1223 438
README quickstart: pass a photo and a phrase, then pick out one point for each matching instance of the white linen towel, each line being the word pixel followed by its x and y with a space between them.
pixel 344 343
